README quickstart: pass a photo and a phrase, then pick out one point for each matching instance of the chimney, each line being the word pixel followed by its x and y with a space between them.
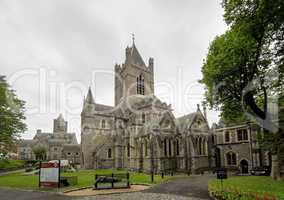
pixel 38 131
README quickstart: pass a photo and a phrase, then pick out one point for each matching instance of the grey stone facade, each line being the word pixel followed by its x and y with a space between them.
pixel 140 132
pixel 237 147
pixel 59 145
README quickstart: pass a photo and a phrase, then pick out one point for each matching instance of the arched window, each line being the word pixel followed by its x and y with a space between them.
pixel 143 118
pixel 170 147
pixel 177 147
pixel 205 148
pixel 140 84
pixel 128 150
pixel 146 148
pixel 200 146
pixel 231 158
pixel 165 147
pixel 142 151
pixel 109 153
pixel 103 125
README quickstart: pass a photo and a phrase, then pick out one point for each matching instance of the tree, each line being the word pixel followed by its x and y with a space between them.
pixel 239 62
pixel 11 117
pixel 244 67
pixel 40 152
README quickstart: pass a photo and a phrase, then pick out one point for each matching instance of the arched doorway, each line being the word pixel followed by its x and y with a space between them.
pixel 244 167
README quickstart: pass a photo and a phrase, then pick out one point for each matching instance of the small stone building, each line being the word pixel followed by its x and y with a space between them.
pixel 58 145
pixel 237 147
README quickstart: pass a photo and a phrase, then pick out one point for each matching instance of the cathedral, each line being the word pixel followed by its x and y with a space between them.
pixel 140 132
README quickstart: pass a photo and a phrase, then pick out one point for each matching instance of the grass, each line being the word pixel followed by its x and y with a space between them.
pixel 85 179
pixel 250 184
pixel 10 164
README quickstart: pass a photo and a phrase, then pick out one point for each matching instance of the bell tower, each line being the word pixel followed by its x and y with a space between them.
pixel 133 77
pixel 59 125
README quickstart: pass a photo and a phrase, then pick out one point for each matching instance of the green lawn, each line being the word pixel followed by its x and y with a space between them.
pixel 85 179
pixel 250 185
pixel 8 164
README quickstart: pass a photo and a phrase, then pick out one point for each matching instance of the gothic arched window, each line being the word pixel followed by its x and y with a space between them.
pixel 177 147
pixel 231 158
pixel 143 118
pixel 128 150
pixel 205 147
pixel 103 123
pixel 170 147
pixel 200 146
pixel 146 148
pixel 109 153
pixel 140 84
pixel 165 147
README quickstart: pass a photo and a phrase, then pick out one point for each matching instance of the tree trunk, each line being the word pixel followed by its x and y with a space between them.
pixel 275 171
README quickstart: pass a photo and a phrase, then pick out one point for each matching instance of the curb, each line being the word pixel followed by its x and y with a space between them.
pixel 115 192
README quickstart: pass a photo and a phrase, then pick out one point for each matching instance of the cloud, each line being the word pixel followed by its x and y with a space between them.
pixel 68 40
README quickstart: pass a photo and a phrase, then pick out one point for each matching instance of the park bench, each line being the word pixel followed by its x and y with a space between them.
pixel 111 181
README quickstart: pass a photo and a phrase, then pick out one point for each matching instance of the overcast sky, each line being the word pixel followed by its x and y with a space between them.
pixel 51 51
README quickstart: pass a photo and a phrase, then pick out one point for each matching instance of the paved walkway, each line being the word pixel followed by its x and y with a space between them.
pixel 191 188
pixel 11 172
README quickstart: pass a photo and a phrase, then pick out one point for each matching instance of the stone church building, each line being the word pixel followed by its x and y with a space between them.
pixel 140 132
pixel 58 145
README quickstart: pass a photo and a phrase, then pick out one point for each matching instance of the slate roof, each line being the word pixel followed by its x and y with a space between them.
pixel 71 147
pixel 102 107
pixel 56 137
pixel 186 121
pixel 138 101
pixel 26 143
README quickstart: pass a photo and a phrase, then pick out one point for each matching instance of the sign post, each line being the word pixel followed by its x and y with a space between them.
pixel 49 174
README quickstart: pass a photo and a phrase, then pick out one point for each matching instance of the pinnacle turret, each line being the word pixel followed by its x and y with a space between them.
pixel 89 98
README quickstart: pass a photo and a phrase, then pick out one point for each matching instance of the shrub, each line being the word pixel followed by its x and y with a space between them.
pixel 11 164
pixel 233 194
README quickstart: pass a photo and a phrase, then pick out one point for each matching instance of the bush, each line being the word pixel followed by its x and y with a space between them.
pixel 29 169
pixel 241 188
pixel 11 164
pixel 236 194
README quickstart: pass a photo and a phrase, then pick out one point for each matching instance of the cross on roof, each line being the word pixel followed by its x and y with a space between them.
pixel 133 37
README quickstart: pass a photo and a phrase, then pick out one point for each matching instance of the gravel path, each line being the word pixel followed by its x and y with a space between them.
pixel 138 196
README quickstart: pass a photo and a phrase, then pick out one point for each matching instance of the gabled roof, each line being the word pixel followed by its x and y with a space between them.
pixel 155 124
pixel 186 121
